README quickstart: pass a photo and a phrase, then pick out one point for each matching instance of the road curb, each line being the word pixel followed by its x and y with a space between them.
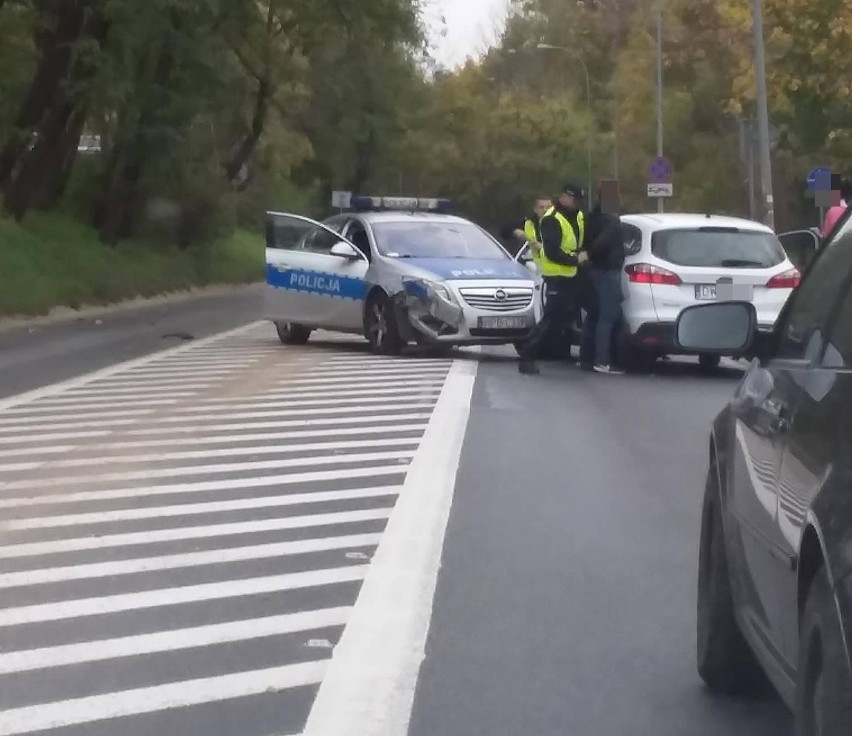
pixel 60 315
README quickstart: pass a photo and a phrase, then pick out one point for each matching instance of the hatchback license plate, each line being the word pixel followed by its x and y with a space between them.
pixel 503 323
pixel 705 292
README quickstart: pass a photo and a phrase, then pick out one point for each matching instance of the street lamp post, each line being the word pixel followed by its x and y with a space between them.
pixel 578 57
pixel 660 205
pixel 768 201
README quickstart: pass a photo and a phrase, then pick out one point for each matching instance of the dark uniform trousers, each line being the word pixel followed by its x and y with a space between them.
pixel 561 307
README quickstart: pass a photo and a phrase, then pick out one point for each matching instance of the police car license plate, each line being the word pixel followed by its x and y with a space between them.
pixel 503 323
pixel 705 292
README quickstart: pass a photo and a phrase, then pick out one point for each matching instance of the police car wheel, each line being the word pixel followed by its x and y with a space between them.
pixel 380 327
pixel 292 334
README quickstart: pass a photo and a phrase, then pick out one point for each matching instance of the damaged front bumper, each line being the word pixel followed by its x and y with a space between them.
pixel 429 310
pixel 432 312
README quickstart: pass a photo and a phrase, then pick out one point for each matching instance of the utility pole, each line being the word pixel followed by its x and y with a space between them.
pixel 660 92
pixel 752 201
pixel 767 199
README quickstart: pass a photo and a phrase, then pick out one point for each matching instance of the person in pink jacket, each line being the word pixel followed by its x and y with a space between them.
pixel 835 212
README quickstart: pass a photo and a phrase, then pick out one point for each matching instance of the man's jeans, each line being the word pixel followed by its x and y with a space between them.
pixel 602 317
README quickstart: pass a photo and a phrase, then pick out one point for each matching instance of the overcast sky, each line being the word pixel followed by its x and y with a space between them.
pixel 471 26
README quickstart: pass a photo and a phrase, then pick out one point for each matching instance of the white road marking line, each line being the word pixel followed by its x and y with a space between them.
pixel 115 369
pixel 364 410
pixel 369 687
pixel 101 458
pixel 181 370
pixel 162 597
pixel 159 697
pixel 58 410
pixel 50 426
pixel 431 387
pixel 195 509
pixel 92 399
pixel 132 539
pixel 28 451
pixel 385 360
pixel 50 437
pixel 240 426
pixel 136 566
pixel 152 383
pixel 172 489
pixel 5 419
pixel 376 372
pixel 270 404
pixel 119 391
pixel 178 370
pixel 179 534
pixel 172 640
pixel 176 472
pixel 230 439
pixel 348 381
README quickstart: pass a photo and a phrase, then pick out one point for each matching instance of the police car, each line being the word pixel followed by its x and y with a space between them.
pixel 396 270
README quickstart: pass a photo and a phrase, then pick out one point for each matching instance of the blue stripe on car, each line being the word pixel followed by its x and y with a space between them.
pixel 316 282
pixel 463 269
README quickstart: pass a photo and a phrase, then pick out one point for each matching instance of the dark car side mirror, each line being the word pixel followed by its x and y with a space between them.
pixel 724 328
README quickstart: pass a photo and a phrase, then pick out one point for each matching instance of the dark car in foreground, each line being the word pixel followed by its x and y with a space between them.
pixel 775 567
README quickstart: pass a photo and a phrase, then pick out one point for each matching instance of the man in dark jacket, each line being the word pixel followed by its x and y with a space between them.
pixel 605 248
pixel 562 234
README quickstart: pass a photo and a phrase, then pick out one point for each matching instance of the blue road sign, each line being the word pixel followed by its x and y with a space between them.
pixel 821 175
pixel 661 170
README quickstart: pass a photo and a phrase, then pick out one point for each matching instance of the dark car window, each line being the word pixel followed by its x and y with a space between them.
pixel 838 351
pixel 718 247
pixel 813 302
pixel 357 235
pixel 632 237
pixel 423 239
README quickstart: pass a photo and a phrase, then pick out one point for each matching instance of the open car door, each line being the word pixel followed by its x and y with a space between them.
pixel 801 246
pixel 314 276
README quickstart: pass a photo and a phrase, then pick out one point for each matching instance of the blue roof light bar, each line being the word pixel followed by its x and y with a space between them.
pixel 405 204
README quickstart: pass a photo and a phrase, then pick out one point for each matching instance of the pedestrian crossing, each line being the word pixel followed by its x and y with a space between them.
pixel 183 538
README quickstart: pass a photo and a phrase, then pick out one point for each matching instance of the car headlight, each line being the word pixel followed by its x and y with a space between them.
pixel 428 290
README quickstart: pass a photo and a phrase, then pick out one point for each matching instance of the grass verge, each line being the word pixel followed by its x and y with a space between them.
pixel 51 261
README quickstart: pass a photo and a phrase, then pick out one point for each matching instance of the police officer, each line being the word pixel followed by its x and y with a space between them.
pixel 562 231
pixel 530 233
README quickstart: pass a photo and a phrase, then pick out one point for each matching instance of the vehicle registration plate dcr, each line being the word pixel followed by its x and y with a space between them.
pixel 503 323
pixel 705 292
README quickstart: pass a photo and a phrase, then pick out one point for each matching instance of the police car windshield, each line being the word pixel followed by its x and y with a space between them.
pixel 424 239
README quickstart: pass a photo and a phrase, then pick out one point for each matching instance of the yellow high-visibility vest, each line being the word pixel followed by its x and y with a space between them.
pixel 532 236
pixel 570 244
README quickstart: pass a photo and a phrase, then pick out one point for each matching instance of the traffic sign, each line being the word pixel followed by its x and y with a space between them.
pixel 661 170
pixel 659 190
pixel 341 200
pixel 819 175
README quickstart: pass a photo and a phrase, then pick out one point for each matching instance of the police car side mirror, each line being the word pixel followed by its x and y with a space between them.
pixel 344 250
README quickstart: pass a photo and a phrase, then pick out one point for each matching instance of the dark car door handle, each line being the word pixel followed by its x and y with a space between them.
pixel 776 413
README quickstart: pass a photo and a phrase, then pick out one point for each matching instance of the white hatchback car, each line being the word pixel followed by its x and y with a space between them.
pixel 676 260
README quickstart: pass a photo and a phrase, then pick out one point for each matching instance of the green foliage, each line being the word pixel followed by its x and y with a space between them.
pixel 211 111
pixel 50 260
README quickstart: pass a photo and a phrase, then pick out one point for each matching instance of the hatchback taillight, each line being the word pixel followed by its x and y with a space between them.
pixel 787 280
pixel 645 273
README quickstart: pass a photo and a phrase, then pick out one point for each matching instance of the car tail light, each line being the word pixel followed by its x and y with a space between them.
pixel 787 280
pixel 645 273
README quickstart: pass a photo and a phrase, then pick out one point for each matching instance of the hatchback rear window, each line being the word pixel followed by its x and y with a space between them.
pixel 718 248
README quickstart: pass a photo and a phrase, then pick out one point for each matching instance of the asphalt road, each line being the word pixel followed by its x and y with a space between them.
pixel 31 357
pixel 159 545
pixel 566 600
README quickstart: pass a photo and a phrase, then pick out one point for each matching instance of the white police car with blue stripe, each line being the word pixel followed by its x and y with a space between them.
pixel 397 270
